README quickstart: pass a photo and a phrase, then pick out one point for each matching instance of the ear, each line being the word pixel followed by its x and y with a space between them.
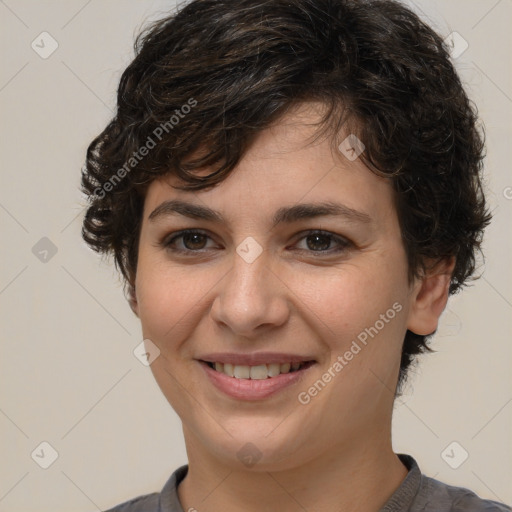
pixel 430 295
pixel 132 299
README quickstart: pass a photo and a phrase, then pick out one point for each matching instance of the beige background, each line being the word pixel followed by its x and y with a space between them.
pixel 68 374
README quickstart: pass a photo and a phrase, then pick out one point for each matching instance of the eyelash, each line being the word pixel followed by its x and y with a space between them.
pixel 168 242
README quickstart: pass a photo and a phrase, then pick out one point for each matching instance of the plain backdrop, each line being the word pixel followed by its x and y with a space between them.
pixel 69 377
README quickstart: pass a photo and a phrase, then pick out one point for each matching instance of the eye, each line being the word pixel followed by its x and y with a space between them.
pixel 189 240
pixel 322 242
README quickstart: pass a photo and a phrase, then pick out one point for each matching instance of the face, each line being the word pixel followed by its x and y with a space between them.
pixel 295 258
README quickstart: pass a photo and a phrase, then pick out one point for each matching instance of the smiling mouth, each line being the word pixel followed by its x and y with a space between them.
pixel 258 372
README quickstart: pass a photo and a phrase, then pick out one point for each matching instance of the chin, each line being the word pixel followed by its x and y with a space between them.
pixel 256 448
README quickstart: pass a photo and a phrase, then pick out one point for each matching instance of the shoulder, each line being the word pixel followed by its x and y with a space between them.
pixel 164 501
pixel 420 493
pixel 442 497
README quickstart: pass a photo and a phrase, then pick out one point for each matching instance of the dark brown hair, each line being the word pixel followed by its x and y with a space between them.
pixel 208 78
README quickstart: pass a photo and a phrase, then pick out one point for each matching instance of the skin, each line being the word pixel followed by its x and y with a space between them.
pixel 335 452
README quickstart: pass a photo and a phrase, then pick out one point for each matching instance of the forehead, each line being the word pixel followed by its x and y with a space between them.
pixel 286 165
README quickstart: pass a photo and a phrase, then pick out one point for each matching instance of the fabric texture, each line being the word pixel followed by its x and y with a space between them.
pixel 417 493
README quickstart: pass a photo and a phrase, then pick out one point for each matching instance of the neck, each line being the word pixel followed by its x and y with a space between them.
pixel 348 479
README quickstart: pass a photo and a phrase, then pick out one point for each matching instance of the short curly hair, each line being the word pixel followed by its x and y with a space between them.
pixel 208 78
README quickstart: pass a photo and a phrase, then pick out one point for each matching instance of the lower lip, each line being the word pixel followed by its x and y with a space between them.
pixel 249 389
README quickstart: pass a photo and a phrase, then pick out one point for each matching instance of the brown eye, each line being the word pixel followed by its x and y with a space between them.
pixel 194 241
pixel 323 242
pixel 318 242
pixel 188 241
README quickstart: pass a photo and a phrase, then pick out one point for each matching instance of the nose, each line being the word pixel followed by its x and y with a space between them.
pixel 251 298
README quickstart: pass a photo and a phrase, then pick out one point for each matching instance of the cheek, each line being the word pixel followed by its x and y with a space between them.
pixel 169 298
pixel 349 299
pixel 359 311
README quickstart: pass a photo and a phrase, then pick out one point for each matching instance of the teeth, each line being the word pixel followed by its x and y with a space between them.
pixel 242 372
pixel 259 372
pixel 285 368
pixel 273 369
pixel 228 369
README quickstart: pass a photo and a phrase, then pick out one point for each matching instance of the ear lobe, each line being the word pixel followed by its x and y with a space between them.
pixel 132 300
pixel 431 295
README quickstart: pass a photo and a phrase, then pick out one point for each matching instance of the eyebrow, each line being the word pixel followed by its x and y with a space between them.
pixel 285 214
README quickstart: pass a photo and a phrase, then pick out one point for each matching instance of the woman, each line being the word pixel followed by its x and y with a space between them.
pixel 291 191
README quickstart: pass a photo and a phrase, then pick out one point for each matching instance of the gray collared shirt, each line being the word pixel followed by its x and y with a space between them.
pixel 417 493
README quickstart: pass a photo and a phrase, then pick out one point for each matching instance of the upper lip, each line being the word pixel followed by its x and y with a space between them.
pixel 254 359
